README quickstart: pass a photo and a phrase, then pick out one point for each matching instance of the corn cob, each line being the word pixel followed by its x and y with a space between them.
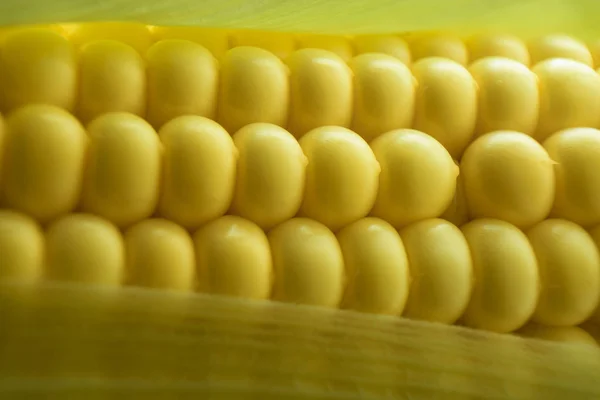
pixel 192 172
pixel 125 146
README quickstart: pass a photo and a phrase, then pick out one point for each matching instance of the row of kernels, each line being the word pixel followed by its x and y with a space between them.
pixel 372 94
pixel 405 47
pixel 549 274
pixel 192 171
pixel 376 94
pixel 488 274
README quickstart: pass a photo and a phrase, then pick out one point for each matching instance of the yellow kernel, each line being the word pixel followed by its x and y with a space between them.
pixel 308 264
pixel 135 35
pixel 214 40
pixel 281 44
pixel 559 46
pixel 182 80
pixel 338 45
pixel 376 265
pixel 576 153
pixel 458 211
pixel 37 66
pixel 121 180
pixel 506 281
pixel 417 180
pixel 270 175
pixel 446 103
pixel 341 177
pixel 444 46
pixel 442 279
pixel 159 254
pixel 199 167
pixel 113 78
pixel 384 95
pixel 44 156
pixel 384 44
pixel 508 96
pixel 569 96
pixel 509 176
pixel 233 258
pixel 253 88
pixel 494 45
pixel 84 248
pixel 320 91
pixel 566 334
pixel 569 267
pixel 21 247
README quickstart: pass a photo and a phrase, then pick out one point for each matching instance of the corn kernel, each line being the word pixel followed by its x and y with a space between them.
pixel 509 176
pixel 270 175
pixel 280 44
pixel 508 96
pixel 121 181
pixel 253 88
pixel 182 80
pixel 233 258
pixel 135 35
pixel 320 91
pixel 84 248
pixel 159 254
pixel 506 276
pixel 341 176
pixel 113 79
pixel 308 264
pixel 446 103
pixel 435 45
pixel 384 44
pixel 37 66
pixel 576 153
pixel 569 96
pixel 44 155
pixel 376 266
pixel 384 95
pixel 417 180
pixel 21 247
pixel 198 171
pixel 340 46
pixel 559 46
pixel 214 40
pixel 569 267
pixel 442 280
pixel 494 45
